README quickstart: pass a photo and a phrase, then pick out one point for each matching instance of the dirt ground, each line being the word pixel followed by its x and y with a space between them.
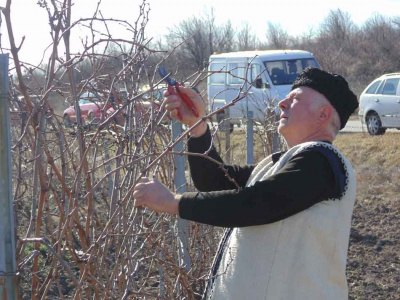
pixel 373 268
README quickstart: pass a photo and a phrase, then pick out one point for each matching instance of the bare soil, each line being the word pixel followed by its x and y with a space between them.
pixel 373 267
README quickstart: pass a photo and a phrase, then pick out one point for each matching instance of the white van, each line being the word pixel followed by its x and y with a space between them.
pixel 270 75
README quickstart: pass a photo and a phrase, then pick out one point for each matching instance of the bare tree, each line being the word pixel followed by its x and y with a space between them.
pixel 226 38
pixel 277 37
pixel 200 37
pixel 246 40
pixel 338 26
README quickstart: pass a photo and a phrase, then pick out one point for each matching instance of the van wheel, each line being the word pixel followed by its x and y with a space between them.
pixel 220 117
pixel 374 124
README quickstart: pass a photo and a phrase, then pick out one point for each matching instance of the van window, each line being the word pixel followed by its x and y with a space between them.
pixel 373 87
pixel 217 78
pixel 285 72
pixel 390 87
pixel 255 73
pixel 236 73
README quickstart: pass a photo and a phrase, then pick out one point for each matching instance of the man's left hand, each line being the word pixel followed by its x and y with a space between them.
pixel 153 194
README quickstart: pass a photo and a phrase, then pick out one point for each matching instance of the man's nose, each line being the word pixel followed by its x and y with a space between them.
pixel 284 103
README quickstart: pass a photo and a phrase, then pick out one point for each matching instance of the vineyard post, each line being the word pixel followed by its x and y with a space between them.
pixel 250 138
pixel 180 187
pixel 7 235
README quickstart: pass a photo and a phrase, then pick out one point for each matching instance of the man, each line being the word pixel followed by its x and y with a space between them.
pixel 291 215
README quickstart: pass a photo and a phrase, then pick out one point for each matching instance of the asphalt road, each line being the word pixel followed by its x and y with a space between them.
pixel 356 126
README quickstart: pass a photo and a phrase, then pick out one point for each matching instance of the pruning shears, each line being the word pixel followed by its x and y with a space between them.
pixel 173 89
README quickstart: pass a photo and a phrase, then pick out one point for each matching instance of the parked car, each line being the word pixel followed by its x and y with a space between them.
pixel 142 111
pixel 142 105
pixel 90 107
pixel 380 104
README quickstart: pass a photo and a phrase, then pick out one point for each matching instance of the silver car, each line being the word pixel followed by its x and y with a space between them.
pixel 380 104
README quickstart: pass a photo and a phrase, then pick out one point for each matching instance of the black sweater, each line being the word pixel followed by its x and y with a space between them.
pixel 305 180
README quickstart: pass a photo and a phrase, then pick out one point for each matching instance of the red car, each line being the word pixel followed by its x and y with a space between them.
pixel 142 108
pixel 142 111
pixel 90 107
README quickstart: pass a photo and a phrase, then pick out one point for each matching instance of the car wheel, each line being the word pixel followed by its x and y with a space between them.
pixel 67 121
pixel 374 124
pixel 90 117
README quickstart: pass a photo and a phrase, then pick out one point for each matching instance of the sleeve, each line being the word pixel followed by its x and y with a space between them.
pixel 207 175
pixel 306 179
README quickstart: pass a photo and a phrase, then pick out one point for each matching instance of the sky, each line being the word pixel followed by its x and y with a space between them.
pixel 296 17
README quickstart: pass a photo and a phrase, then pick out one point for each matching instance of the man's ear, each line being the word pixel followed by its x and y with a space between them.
pixel 325 113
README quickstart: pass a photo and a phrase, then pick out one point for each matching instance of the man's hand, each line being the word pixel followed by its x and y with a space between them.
pixel 173 103
pixel 153 194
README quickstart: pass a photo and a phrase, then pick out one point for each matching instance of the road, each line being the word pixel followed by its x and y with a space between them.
pixel 356 126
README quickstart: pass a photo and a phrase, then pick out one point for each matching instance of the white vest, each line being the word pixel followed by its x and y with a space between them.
pixel 302 257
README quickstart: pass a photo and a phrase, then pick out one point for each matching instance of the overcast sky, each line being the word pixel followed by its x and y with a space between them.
pixel 295 16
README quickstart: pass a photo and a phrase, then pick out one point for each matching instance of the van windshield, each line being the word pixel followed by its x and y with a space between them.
pixel 284 72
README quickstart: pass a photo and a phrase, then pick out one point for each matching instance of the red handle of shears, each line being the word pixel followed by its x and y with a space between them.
pixel 175 91
pixel 172 91
pixel 187 100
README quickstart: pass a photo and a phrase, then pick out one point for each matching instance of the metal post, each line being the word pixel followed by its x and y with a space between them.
pixel 180 187
pixel 160 269
pixel 275 142
pixel 227 127
pixel 7 237
pixel 250 138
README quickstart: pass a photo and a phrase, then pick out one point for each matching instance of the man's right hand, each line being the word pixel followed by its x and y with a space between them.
pixel 173 103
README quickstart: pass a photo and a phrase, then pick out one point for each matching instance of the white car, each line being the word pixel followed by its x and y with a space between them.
pixel 380 104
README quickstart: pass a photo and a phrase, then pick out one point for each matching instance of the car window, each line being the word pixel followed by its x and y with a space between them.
pixel 89 97
pixel 373 87
pixel 82 101
pixel 390 87
pixel 379 91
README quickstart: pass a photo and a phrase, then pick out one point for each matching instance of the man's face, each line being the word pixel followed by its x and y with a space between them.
pixel 299 114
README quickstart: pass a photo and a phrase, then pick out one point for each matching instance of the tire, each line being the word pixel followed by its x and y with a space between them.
pixel 90 117
pixel 67 121
pixel 374 124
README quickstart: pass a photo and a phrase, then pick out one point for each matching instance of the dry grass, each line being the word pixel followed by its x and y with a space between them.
pixel 376 161
pixel 373 269
pixel 361 148
pixel 239 146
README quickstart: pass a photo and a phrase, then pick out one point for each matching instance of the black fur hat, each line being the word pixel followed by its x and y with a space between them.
pixel 334 87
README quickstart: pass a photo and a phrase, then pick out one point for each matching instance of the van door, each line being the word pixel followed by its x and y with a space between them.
pixel 216 84
pixel 216 87
pixel 260 97
pixel 236 86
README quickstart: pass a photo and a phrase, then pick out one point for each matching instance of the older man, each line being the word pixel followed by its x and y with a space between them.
pixel 290 219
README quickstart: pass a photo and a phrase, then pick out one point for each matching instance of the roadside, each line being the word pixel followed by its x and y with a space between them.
pixel 354 125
